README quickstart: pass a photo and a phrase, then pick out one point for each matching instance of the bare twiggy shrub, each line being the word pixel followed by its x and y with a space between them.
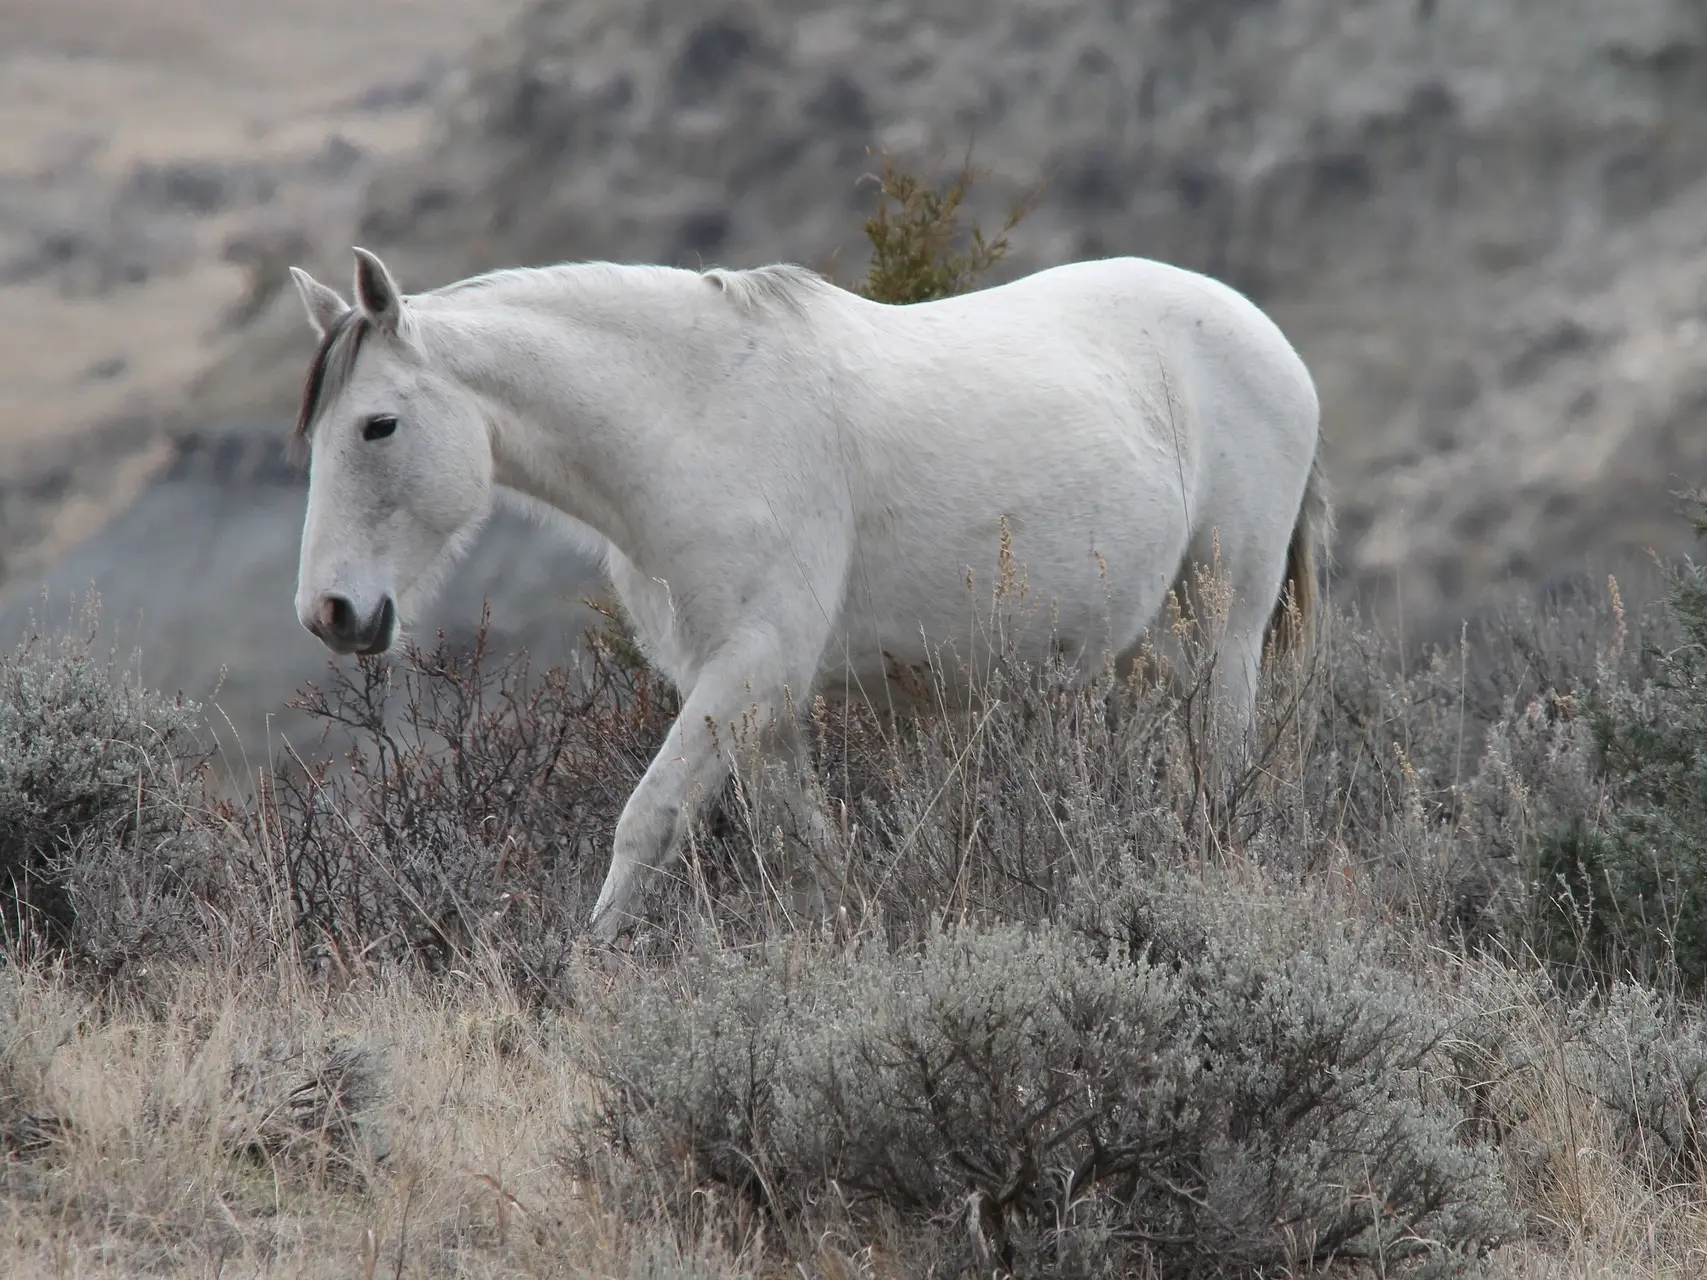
pixel 475 811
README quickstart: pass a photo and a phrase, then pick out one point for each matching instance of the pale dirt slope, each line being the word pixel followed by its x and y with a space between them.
pixel 150 150
pixel 156 158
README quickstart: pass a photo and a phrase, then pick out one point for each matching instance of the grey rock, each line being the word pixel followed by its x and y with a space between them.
pixel 105 368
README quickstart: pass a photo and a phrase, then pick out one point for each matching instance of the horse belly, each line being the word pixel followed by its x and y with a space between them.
pixel 918 605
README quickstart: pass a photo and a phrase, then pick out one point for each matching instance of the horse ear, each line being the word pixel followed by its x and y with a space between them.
pixel 323 305
pixel 377 293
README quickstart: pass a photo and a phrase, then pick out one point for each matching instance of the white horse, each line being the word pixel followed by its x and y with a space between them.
pixel 788 484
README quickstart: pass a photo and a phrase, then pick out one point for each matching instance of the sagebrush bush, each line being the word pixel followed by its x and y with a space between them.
pixel 98 780
pixel 1146 1089
pixel 1647 1066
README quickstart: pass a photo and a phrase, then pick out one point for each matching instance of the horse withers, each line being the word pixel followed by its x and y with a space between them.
pixel 788 484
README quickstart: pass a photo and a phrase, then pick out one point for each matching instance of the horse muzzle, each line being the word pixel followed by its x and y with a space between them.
pixel 341 629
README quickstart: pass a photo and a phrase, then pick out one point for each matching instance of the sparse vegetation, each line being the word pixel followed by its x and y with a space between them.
pixel 467 817
pixel 1418 996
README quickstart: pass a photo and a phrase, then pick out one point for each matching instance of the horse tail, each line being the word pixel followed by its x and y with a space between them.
pixel 1293 624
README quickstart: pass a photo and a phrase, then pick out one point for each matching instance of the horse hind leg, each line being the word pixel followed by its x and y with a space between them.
pixel 1233 687
pixel 1224 613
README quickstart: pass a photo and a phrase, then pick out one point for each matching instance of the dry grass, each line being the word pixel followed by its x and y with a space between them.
pixel 157 1160
pixel 1594 1211
pixel 145 1150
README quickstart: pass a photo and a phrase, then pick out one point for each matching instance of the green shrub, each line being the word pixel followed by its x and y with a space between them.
pixel 1623 882
pixel 919 250
pixel 1148 1088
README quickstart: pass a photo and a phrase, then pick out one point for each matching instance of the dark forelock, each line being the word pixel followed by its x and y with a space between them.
pixel 334 360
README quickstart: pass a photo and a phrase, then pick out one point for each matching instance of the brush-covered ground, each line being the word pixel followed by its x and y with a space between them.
pixel 1416 993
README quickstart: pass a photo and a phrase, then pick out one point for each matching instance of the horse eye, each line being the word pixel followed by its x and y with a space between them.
pixel 379 426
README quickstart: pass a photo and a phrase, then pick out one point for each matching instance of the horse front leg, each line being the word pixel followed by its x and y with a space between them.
pixel 744 685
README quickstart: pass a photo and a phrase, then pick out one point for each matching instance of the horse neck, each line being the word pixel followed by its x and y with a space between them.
pixel 584 396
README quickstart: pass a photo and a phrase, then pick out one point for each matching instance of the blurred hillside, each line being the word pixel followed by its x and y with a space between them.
pixel 1483 222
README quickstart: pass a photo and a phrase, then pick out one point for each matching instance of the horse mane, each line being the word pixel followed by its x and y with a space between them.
pixel 752 289
pixel 334 361
pixel 782 284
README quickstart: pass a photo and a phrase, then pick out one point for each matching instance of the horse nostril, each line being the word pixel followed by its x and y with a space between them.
pixel 337 615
